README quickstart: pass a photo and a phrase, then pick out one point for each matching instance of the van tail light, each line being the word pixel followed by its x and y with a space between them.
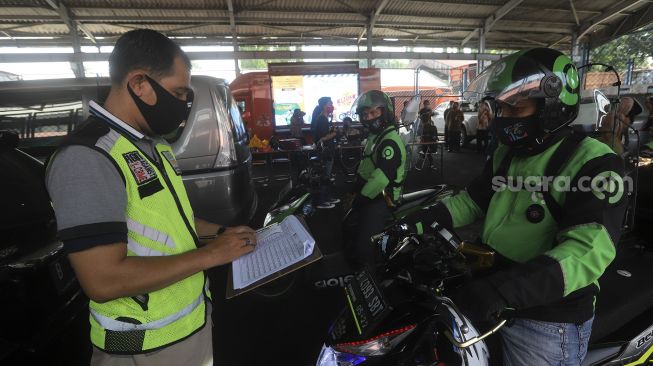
pixel 378 345
pixel 226 157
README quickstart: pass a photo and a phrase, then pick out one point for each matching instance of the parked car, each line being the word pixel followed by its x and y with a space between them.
pixel 468 132
pixel 211 147
pixel 40 293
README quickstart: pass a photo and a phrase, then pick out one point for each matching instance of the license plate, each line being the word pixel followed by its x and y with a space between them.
pixel 366 302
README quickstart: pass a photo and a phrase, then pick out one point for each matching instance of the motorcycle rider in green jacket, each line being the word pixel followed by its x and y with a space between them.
pixel 380 177
pixel 552 202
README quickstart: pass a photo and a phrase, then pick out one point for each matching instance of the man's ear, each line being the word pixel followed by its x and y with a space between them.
pixel 137 81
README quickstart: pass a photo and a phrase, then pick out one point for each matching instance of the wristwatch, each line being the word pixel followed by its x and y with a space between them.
pixel 221 230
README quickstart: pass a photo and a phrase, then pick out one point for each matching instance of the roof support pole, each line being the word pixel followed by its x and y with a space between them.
pixel 370 61
pixel 481 49
pixel 584 58
pixel 234 35
pixel 77 65
pixel 573 52
pixel 370 28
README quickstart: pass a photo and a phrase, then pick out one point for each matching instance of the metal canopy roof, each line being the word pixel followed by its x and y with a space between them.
pixel 507 24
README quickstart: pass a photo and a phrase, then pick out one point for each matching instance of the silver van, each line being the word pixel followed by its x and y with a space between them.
pixel 211 147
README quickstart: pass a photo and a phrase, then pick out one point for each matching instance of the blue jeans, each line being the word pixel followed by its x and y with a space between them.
pixel 538 343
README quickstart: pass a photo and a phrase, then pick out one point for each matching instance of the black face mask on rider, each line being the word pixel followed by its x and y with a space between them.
pixel 516 131
pixel 374 125
pixel 165 116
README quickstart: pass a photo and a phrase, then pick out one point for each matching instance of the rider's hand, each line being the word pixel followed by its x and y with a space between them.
pixel 480 302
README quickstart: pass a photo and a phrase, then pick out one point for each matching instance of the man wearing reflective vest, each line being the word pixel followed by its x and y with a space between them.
pixel 380 177
pixel 125 219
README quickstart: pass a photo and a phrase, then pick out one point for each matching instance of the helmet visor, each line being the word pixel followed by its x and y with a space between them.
pixel 503 83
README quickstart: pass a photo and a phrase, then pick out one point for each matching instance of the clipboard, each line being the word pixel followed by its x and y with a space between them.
pixel 231 292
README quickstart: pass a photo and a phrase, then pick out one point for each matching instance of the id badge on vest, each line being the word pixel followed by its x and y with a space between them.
pixel 143 173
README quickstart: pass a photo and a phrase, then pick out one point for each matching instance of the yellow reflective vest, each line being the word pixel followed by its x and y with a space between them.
pixel 160 222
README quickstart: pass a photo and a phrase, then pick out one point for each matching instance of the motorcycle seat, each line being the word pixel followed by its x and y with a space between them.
pixel 626 290
pixel 414 199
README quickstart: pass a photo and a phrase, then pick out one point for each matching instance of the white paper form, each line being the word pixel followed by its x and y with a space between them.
pixel 278 246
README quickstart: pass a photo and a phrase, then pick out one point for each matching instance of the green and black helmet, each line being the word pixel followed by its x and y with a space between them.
pixel 372 99
pixel 539 73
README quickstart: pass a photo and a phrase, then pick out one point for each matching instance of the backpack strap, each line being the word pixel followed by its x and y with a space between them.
pixel 558 160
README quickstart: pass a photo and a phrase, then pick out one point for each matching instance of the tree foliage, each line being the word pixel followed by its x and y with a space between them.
pixel 637 46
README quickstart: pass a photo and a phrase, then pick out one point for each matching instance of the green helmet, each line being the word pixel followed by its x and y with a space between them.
pixel 372 99
pixel 539 73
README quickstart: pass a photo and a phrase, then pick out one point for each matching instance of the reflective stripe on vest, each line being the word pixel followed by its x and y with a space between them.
pixel 150 233
pixel 141 250
pixel 118 326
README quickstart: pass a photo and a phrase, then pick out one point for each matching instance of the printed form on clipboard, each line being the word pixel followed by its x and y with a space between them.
pixel 278 246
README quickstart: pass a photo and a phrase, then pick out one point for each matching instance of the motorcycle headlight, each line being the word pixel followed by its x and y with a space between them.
pixel 376 346
pixel 331 357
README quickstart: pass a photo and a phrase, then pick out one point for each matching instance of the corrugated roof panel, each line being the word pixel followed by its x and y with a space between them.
pixel 427 8
pixel 43 29
pixel 533 22
pixel 27 11
pixel 363 6
pixel 278 17
pixel 181 15
pixel 428 22
pixel 150 4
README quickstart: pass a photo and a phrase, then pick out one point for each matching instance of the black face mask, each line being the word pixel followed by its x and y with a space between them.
pixel 168 113
pixel 374 125
pixel 516 132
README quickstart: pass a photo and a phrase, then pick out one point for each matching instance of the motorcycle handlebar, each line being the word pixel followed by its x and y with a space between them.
pixel 474 340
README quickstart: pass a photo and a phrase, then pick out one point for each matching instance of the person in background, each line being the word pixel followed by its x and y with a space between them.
pixel 296 124
pixel 404 111
pixel 429 134
pixel 615 125
pixel 380 179
pixel 123 215
pixel 323 101
pixel 484 117
pixel 350 133
pixel 648 104
pixel 426 113
pixel 445 115
pixel 454 124
pixel 648 126
pixel 324 140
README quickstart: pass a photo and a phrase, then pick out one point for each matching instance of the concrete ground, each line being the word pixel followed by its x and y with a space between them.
pixel 252 329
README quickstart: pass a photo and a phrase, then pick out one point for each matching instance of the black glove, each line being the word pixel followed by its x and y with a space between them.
pixel 480 302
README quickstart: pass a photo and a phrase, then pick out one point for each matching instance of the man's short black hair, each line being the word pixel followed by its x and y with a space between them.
pixel 426 101
pixel 144 49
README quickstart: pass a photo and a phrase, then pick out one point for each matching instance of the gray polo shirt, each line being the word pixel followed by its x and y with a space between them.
pixel 88 195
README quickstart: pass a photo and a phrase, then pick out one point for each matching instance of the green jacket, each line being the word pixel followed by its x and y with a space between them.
pixel 551 266
pixel 383 166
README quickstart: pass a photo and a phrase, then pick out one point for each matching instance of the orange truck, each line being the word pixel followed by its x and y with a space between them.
pixel 298 85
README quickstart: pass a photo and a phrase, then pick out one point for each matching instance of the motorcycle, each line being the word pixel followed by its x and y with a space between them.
pixel 402 315
pixel 333 270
